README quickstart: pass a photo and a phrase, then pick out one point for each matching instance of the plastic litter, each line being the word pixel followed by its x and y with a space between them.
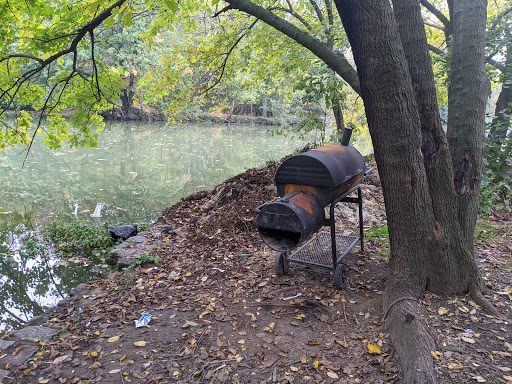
pixel 143 321
pixel 292 297
pixel 146 365
pixel 469 330
pixel 97 210
pixel 173 274
pixel 218 269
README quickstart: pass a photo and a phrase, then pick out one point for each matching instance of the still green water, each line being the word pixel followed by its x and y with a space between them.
pixel 138 170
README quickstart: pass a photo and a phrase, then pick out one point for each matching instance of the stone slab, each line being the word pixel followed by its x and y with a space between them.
pixel 35 333
pixel 26 353
pixel 116 254
pixel 79 289
pixel 38 320
pixel 125 262
pixel 4 344
pixel 136 239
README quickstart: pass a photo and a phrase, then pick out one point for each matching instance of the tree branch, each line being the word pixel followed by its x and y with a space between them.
pixel 94 67
pixel 225 9
pixel 330 18
pixel 434 25
pixel 22 56
pixel 433 48
pixel 500 67
pixel 436 12
pixel 337 62
pixel 43 64
pixel 294 14
pixel 90 26
pixel 498 18
pixel 225 61
pixel 318 11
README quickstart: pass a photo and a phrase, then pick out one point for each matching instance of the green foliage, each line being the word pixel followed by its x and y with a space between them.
pixel 33 247
pixel 506 267
pixel 148 258
pixel 78 238
pixel 485 232
pixel 321 85
pixel 496 193
pixel 72 239
pixel 380 233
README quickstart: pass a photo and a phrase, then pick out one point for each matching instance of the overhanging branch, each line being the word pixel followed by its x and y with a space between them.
pixel 337 62
pixel 226 58
pixel 436 12
pixel 12 90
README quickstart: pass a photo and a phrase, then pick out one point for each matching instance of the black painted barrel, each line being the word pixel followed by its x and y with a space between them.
pixel 307 183
pixel 286 223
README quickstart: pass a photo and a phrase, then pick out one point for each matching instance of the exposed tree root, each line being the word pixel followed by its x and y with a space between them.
pixel 411 339
pixel 480 299
pixel 403 319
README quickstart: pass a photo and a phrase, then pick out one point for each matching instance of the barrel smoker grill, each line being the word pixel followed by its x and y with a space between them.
pixel 307 183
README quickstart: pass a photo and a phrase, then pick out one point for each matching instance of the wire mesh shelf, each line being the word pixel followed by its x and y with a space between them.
pixel 318 250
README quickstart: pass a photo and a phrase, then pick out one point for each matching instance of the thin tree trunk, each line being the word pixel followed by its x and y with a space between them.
pixel 232 111
pixel 264 108
pixel 127 110
pixel 338 116
pixel 467 97
pixel 501 119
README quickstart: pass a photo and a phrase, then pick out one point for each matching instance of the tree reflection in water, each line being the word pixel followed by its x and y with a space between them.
pixel 29 285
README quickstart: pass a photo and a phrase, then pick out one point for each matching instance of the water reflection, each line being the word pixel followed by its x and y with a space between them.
pixel 138 170
pixel 30 285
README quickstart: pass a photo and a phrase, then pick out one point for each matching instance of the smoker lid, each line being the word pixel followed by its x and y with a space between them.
pixel 327 166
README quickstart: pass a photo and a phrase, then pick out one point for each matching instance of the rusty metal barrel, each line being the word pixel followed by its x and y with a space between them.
pixel 307 183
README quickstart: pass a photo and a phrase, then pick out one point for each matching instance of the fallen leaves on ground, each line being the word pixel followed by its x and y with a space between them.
pixel 218 314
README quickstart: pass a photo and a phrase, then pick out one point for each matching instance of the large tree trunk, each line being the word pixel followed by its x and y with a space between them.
pixel 429 220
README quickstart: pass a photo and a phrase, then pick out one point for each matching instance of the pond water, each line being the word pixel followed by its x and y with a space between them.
pixel 138 170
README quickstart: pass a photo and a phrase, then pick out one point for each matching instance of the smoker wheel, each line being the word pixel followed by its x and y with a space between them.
pixel 281 263
pixel 339 276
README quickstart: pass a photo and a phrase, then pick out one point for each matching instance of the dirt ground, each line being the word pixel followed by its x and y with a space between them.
pixel 221 315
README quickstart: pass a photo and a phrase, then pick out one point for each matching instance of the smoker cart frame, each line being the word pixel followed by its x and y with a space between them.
pixel 314 251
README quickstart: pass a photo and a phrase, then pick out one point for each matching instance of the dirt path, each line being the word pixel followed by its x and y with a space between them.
pixel 220 315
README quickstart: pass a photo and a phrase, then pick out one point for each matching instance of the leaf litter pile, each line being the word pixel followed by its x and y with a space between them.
pixel 219 314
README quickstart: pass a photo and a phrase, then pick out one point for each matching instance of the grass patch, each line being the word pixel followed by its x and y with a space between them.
pixel 381 233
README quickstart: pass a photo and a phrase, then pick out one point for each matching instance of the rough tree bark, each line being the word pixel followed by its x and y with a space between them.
pixel 337 111
pixel 431 209
pixel 467 97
